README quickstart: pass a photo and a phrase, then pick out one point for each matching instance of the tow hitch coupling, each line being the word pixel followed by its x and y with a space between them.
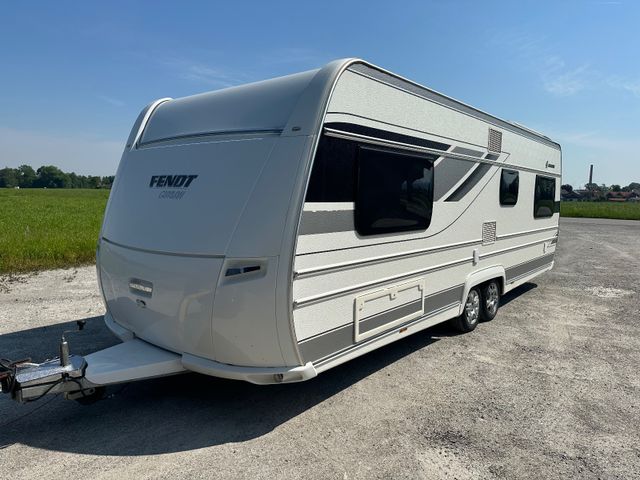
pixel 26 381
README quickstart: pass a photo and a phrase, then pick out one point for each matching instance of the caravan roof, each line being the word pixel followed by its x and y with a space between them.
pixel 260 106
pixel 269 105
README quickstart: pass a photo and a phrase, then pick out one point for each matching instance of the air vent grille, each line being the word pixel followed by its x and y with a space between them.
pixel 495 141
pixel 488 233
pixel 240 270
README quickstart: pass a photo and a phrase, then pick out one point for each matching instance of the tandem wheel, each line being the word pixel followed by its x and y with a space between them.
pixel 471 312
pixel 490 293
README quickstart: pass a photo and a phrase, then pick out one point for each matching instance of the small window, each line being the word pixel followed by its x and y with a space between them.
pixel 509 187
pixel 394 192
pixel 333 174
pixel 544 198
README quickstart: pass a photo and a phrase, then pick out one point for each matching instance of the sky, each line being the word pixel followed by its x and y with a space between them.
pixel 75 75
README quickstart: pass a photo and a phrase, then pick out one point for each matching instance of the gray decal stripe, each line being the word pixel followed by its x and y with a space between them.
pixel 441 299
pixel 529 273
pixel 221 133
pixel 326 222
pixel 161 252
pixel 523 268
pixel 467 151
pixel 469 183
pixel 323 345
pixel 375 321
pixel 447 173
pixel 340 338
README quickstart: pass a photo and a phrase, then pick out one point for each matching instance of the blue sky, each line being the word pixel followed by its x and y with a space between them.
pixel 74 75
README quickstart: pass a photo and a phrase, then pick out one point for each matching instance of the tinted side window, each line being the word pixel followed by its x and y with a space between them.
pixel 544 197
pixel 509 187
pixel 394 192
pixel 333 174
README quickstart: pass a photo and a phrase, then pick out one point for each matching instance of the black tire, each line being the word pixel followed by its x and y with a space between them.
pixel 470 312
pixel 490 293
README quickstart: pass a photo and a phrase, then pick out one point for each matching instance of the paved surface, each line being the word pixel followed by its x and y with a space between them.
pixel 549 389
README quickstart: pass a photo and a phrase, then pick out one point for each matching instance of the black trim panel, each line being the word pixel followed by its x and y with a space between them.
pixel 467 151
pixel 386 135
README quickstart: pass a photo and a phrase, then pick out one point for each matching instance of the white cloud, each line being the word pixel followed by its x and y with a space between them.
pixel 632 86
pixel 558 80
pixel 596 140
pixel 215 77
pixel 557 76
pixel 534 53
pixel 209 76
pixel 112 101
pixel 82 155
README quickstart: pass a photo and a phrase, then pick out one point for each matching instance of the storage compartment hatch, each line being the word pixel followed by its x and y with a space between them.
pixel 383 309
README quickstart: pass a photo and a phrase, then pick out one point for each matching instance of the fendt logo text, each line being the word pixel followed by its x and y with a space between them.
pixel 179 182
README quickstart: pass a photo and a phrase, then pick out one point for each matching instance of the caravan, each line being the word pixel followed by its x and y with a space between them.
pixel 271 231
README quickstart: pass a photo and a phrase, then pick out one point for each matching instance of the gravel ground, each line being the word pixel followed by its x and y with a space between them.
pixel 549 389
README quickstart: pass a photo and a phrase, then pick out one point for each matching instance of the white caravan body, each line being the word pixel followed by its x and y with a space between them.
pixel 256 232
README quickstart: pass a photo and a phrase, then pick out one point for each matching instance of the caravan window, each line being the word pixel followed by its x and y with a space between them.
pixel 333 174
pixel 509 187
pixel 394 191
pixel 544 197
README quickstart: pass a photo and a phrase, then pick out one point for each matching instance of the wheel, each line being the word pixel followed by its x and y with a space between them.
pixel 490 300
pixel 470 314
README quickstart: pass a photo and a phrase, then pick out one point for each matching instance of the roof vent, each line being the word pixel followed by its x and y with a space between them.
pixel 495 140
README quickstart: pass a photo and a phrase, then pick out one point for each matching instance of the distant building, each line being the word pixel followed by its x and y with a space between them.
pixel 622 196
pixel 569 195
pixel 595 195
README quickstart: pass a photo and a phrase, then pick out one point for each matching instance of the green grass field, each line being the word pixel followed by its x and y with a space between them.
pixel 41 229
pixel 623 211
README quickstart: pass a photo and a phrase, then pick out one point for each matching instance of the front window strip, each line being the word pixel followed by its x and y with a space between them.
pixel 334 171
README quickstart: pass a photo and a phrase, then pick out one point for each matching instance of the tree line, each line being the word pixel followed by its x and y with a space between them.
pixel 593 187
pixel 49 176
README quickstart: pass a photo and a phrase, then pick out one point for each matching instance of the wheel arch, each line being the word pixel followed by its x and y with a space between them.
pixel 495 272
